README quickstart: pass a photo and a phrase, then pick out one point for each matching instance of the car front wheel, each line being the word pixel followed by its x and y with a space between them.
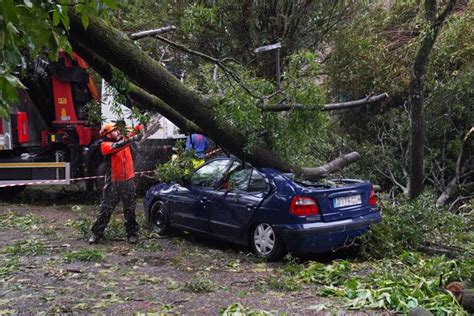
pixel 266 243
pixel 159 219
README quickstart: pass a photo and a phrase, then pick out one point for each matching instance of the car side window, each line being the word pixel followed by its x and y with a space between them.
pixel 208 175
pixel 257 182
pixel 239 180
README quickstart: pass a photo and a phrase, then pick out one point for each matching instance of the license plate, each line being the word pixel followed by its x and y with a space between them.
pixel 347 200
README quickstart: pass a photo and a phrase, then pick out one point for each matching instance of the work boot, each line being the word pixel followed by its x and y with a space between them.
pixel 132 239
pixel 94 239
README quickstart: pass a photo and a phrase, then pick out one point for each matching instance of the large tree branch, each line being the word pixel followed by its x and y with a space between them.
pixel 326 107
pixel 149 75
pixel 350 104
pixel 333 166
pixel 153 32
pixel 143 100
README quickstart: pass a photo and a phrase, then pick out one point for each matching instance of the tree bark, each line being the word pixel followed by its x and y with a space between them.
pixel 417 119
pixel 148 74
pixel 335 165
pixel 143 100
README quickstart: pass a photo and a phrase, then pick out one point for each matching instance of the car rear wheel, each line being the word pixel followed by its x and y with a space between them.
pixel 266 243
pixel 159 219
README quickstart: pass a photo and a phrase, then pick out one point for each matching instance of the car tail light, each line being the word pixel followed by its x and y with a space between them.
pixel 22 127
pixel 302 206
pixel 372 198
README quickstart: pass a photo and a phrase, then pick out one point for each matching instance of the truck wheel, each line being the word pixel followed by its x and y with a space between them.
pixel 266 243
pixel 8 193
pixel 159 219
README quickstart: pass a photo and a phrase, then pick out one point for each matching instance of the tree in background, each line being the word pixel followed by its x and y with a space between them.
pixel 233 29
pixel 377 51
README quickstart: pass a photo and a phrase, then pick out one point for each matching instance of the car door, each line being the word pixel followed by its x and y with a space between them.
pixel 190 201
pixel 235 204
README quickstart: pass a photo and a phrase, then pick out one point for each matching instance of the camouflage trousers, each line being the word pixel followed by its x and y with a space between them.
pixel 112 194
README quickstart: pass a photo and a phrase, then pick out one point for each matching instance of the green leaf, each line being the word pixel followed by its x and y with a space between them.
pixel 85 19
pixel 10 11
pixel 14 81
pixel 12 28
pixel 110 3
pixel 65 19
pixel 9 94
pixel 4 113
pixel 56 18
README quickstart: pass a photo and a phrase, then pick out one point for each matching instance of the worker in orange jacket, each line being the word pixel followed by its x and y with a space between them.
pixel 119 181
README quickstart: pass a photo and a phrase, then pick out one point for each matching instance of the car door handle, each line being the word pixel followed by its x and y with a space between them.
pixel 250 207
pixel 203 200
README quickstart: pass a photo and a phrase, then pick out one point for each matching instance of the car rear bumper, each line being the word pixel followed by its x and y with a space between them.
pixel 325 236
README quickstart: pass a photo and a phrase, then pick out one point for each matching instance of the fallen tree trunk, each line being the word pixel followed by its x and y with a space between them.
pixel 143 100
pixel 148 74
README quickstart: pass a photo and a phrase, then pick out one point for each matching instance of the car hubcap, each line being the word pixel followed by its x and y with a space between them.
pixel 264 239
pixel 159 218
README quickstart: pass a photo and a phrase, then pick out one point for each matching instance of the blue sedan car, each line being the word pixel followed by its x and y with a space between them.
pixel 263 208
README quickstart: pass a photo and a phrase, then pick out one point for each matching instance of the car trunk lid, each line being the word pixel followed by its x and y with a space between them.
pixel 340 199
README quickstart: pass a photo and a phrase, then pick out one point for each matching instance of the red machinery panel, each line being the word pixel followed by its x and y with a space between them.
pixel 22 127
pixel 63 102
pixel 86 134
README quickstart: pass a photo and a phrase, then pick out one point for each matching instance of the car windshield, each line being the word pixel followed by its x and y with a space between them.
pixel 209 174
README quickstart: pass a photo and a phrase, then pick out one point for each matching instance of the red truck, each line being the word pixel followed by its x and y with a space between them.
pixel 46 139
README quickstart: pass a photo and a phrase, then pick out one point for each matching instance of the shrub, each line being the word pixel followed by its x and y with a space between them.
pixel 407 225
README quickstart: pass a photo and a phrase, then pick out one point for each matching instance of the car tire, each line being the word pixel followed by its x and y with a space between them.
pixel 159 219
pixel 266 243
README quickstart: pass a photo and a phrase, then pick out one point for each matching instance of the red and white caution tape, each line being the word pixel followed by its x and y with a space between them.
pixel 38 182
pixel 212 152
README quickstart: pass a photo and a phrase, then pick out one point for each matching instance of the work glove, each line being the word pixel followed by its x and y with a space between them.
pixel 136 138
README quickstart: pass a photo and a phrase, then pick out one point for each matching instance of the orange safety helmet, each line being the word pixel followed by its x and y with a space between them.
pixel 107 128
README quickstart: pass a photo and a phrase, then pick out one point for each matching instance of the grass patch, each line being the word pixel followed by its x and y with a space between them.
pixel 151 246
pixel 32 247
pixel 199 284
pixel 19 221
pixel 82 226
pixel 114 230
pixel 239 309
pixel 88 255
pixel 285 283
pixel 9 265
pixel 50 232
